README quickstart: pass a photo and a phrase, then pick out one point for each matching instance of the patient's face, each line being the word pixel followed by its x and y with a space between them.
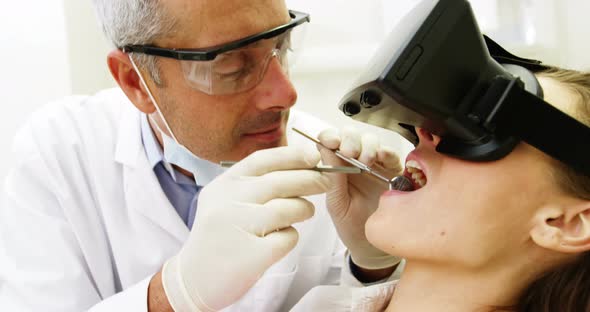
pixel 469 214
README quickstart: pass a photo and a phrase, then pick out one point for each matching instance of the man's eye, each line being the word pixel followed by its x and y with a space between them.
pixel 230 76
pixel 231 66
pixel 237 74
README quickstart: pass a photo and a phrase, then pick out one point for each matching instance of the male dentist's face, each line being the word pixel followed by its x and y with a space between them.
pixel 224 127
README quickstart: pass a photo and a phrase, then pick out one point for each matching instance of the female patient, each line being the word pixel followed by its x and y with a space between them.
pixel 509 235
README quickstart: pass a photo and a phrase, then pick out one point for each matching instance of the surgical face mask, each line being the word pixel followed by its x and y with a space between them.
pixel 175 152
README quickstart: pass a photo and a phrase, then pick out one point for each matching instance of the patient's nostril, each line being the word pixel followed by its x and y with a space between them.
pixel 425 134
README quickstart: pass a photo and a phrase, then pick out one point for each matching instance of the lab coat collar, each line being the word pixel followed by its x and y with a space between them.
pixel 142 189
pixel 129 147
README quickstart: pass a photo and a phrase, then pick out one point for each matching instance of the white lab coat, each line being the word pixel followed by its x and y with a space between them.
pixel 85 224
pixel 350 296
pixel 374 298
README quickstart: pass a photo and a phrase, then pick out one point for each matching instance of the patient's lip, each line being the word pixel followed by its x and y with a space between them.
pixel 395 193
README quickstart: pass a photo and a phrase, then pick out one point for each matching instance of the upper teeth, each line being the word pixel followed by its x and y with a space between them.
pixel 416 171
pixel 413 166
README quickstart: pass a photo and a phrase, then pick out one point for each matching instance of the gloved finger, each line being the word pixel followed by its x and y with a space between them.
pixel 279 244
pixel 330 138
pixel 351 142
pixel 338 180
pixel 274 159
pixel 369 148
pixel 388 159
pixel 286 184
pixel 329 158
pixel 280 213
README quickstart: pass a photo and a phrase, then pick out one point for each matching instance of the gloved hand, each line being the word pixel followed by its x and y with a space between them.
pixel 242 227
pixel 353 198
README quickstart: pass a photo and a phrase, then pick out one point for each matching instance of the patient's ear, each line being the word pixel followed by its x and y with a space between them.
pixel 563 228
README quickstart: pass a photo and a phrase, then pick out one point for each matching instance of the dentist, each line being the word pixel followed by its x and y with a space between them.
pixel 116 201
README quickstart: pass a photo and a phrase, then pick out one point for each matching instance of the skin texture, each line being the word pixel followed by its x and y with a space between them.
pixel 491 227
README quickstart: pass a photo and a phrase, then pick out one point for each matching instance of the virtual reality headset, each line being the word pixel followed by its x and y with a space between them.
pixel 437 71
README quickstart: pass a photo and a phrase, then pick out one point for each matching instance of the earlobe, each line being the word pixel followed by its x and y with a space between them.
pixel 128 80
pixel 563 229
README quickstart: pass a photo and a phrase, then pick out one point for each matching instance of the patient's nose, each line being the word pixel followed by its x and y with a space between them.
pixel 427 138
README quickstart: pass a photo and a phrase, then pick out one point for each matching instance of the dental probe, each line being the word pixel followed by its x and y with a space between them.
pixel 349 160
pixel 400 183
pixel 319 168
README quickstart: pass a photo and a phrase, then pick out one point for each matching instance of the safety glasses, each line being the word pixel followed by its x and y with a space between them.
pixel 236 66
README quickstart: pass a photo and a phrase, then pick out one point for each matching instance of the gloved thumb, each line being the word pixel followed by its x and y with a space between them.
pixel 280 243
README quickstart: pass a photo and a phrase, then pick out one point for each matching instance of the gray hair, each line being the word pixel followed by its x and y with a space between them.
pixel 135 22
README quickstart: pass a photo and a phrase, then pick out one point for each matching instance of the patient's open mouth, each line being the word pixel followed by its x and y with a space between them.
pixel 415 173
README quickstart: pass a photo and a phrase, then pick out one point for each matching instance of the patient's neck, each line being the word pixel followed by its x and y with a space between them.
pixel 428 287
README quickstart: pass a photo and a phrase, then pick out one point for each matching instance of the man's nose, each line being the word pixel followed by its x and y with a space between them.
pixel 427 138
pixel 275 91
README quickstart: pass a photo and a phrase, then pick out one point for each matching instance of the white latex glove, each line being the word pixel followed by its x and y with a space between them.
pixel 242 227
pixel 353 198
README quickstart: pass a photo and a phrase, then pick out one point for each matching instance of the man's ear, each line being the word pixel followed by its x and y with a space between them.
pixel 128 80
pixel 563 228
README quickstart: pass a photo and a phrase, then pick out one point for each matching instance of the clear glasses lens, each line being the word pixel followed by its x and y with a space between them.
pixel 241 69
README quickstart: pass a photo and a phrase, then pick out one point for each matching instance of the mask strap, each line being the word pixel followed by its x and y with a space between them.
pixel 149 92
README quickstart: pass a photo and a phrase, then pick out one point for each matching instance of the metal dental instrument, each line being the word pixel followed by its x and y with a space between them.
pixel 400 183
pixel 320 168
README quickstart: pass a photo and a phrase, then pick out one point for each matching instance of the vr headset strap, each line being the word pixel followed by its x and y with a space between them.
pixel 502 56
pixel 545 127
